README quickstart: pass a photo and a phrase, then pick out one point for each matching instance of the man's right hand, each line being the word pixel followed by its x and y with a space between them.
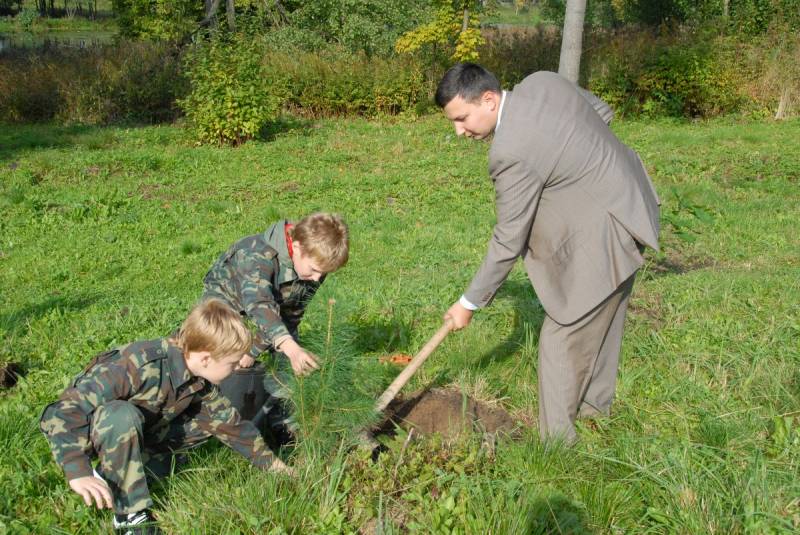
pixel 93 488
pixel 458 316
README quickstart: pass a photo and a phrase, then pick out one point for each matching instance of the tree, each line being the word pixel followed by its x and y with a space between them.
pixel 456 24
pixel 158 19
pixel 370 26
pixel 212 6
pixel 572 40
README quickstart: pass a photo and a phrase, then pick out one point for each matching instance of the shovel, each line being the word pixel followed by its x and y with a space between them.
pixel 366 439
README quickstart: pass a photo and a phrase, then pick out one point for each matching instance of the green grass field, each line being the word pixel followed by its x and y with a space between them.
pixel 504 14
pixel 106 233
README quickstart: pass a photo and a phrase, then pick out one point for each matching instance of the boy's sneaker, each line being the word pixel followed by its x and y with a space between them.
pixel 141 523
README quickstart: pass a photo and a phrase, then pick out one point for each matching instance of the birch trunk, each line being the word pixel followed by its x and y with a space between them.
pixel 569 65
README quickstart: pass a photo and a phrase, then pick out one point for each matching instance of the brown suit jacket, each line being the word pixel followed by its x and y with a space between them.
pixel 571 198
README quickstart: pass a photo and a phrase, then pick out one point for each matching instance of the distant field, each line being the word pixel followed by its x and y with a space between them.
pixel 106 233
pixel 507 15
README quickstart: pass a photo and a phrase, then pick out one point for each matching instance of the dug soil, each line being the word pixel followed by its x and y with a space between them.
pixel 448 412
pixel 10 372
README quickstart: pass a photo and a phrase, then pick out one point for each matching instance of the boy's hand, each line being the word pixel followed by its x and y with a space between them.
pixel 302 361
pixel 246 361
pixel 279 467
pixel 93 488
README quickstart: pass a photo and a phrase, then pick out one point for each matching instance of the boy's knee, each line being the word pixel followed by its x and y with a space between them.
pixel 117 418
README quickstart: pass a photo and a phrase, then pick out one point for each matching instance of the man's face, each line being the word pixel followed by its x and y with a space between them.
pixel 306 267
pixel 475 120
pixel 212 370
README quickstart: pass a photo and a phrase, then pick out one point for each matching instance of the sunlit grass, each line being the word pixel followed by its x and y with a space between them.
pixel 105 235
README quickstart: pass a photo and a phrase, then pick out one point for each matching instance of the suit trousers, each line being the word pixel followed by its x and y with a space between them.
pixel 578 365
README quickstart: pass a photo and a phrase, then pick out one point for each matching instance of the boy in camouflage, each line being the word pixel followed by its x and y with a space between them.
pixel 270 279
pixel 133 407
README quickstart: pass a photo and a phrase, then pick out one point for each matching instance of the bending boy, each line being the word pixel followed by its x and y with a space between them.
pixel 270 278
pixel 135 406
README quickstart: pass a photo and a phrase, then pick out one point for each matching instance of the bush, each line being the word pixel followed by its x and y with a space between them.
pixel 336 82
pixel 128 82
pixel 138 82
pixel 514 53
pixel 679 75
pixel 169 20
pixel 233 93
pixel 686 81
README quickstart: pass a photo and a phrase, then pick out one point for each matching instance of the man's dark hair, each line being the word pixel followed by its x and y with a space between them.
pixel 467 80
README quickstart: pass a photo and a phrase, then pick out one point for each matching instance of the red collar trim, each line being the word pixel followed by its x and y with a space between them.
pixel 286 228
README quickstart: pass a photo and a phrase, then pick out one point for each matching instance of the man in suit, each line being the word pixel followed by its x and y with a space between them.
pixel 579 207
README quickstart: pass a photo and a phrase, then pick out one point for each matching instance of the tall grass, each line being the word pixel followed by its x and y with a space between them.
pixel 130 82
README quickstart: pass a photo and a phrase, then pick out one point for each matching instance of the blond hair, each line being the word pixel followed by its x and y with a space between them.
pixel 324 237
pixel 215 327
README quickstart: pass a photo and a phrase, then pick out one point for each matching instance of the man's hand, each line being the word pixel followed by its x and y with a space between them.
pixel 93 488
pixel 302 361
pixel 246 361
pixel 458 316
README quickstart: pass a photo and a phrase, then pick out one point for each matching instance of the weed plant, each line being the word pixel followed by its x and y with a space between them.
pixel 106 233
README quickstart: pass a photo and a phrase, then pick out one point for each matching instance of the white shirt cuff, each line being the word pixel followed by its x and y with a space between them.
pixel 466 304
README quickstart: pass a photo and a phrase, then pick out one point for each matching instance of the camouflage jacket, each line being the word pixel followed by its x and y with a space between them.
pixel 256 277
pixel 152 375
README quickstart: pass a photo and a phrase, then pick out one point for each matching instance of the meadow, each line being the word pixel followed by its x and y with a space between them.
pixel 106 233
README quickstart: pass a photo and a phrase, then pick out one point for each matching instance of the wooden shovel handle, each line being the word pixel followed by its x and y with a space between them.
pixel 401 380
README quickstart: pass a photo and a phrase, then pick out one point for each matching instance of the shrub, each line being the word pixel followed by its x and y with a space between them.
pixel 680 75
pixel 138 82
pixel 514 53
pixel 129 82
pixel 336 82
pixel 26 18
pixel 233 95
pixel 169 20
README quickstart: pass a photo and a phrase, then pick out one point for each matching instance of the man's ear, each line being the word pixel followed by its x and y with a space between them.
pixel 490 99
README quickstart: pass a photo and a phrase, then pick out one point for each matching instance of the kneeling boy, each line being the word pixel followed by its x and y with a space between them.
pixel 133 407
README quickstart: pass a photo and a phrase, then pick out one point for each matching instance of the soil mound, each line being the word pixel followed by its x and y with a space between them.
pixel 448 412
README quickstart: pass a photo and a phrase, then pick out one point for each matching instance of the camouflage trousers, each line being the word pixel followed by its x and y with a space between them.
pixel 127 458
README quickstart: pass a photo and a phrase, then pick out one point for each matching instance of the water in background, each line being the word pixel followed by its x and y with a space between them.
pixel 85 39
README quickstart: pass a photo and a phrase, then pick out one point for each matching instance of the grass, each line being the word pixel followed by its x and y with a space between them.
pixel 106 233
pixel 506 15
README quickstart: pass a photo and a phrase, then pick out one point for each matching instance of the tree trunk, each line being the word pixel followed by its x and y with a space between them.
pixel 726 4
pixel 212 6
pixel 231 13
pixel 783 104
pixel 465 20
pixel 569 65
pixel 284 17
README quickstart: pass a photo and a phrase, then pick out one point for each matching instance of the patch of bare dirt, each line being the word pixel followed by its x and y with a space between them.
pixel 649 308
pixel 10 372
pixel 679 265
pixel 449 413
